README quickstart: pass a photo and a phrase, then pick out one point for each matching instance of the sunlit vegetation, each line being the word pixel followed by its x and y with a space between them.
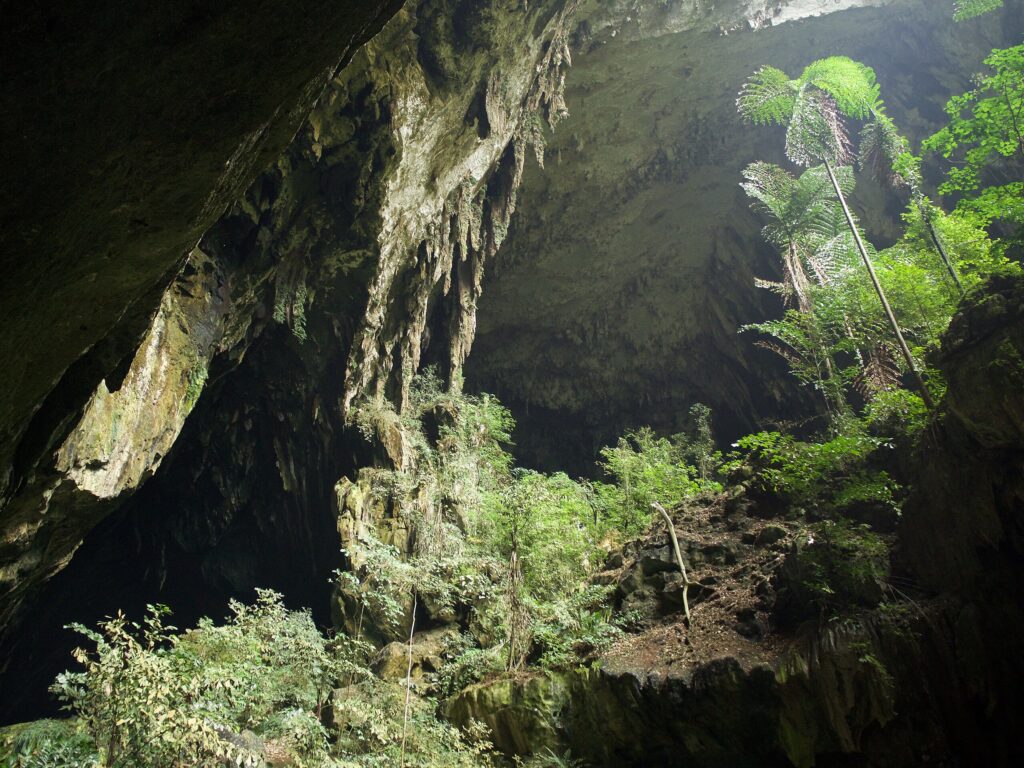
pixel 860 321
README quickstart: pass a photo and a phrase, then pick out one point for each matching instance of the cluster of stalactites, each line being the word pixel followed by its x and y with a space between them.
pixel 472 225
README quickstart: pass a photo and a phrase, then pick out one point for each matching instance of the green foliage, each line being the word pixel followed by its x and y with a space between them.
pixel 985 132
pixel 896 412
pixel 699 446
pixel 513 570
pixel 886 153
pixel 148 697
pixel 812 106
pixel 841 565
pixel 465 663
pixel 806 224
pixel 969 9
pixel 575 626
pixel 47 744
pixel 768 97
pixel 838 341
pixel 290 308
pixel 850 83
pixel 369 719
pixel 549 759
pixel 831 473
pixel 505 549
pixel 645 468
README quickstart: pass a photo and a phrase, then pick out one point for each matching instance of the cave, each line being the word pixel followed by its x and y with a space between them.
pixel 269 270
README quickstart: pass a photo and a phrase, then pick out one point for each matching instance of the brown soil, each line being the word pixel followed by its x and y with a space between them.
pixel 730 612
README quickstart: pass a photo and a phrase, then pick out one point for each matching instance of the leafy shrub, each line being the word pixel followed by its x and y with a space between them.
pixel 148 697
pixel 465 663
pixel 577 625
pixel 47 744
pixel 842 565
pixel 369 722
pixel 898 413
pixel 645 468
pixel 833 472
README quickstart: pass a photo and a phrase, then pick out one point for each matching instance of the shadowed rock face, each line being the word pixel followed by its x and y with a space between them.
pixel 631 261
pixel 127 130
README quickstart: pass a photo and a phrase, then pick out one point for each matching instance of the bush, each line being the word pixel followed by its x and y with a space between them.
pixel 833 473
pixel 841 566
pixel 647 468
pixel 47 744
pixel 148 697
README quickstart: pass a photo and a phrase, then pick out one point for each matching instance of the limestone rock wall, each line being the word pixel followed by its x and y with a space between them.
pixel 127 130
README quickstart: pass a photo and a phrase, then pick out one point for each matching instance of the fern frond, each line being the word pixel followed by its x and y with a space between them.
pixel 969 9
pixel 851 84
pixel 774 286
pixel 771 189
pixel 816 131
pixel 881 372
pixel 767 97
pixel 884 153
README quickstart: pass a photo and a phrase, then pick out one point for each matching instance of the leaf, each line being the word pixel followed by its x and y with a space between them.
pixel 816 132
pixel 767 97
pixel 850 83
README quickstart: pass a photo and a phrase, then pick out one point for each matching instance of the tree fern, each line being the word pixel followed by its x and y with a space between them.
pixel 826 91
pixel 816 132
pixel 883 153
pixel 804 222
pixel 886 154
pixel 802 210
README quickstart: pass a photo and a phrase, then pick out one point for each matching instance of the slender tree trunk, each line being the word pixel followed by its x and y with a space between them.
pixel 408 682
pixel 904 349
pixel 936 240
pixel 799 278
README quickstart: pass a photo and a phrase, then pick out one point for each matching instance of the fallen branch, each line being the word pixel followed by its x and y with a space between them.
pixel 679 557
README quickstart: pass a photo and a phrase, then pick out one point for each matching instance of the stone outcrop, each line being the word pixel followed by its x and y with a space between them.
pixel 127 131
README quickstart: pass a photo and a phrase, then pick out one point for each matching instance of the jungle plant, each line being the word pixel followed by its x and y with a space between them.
pixel 805 221
pixel 831 472
pixel 985 136
pixel 700 449
pixel 644 468
pixel 887 154
pixel 47 744
pixel 149 697
pixel 812 108
pixel 969 9
pixel 839 566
